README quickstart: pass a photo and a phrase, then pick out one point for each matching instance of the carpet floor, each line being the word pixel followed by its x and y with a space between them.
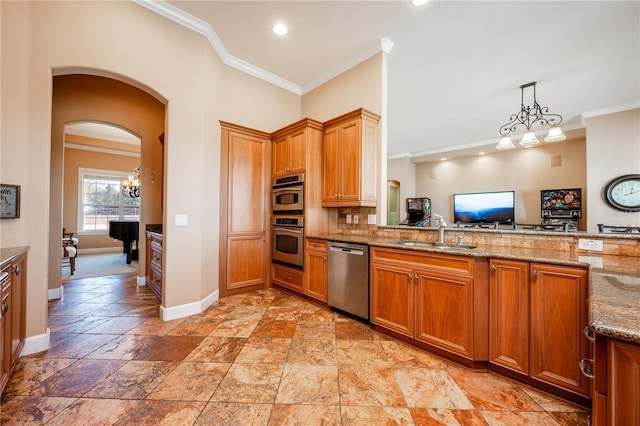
pixel 99 265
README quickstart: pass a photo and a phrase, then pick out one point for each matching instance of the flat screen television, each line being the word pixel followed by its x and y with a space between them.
pixel 484 207
pixel 561 202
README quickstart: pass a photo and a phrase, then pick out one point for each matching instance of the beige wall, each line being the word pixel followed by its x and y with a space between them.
pixel 527 171
pixel 74 159
pixel 404 171
pixel 127 41
pixel 99 99
pixel 613 149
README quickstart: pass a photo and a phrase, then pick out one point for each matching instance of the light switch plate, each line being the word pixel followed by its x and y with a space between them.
pixel 181 220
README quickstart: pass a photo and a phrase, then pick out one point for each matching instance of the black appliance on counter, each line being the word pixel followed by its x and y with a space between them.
pixel 418 212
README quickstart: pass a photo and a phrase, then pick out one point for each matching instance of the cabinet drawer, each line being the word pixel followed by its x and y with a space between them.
pixel 462 265
pixel 317 245
pixel 287 277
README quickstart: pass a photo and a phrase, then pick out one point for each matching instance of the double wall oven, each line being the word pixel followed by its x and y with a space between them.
pixel 288 220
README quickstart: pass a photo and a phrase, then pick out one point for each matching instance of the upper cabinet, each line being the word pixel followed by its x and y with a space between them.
pixel 290 153
pixel 350 160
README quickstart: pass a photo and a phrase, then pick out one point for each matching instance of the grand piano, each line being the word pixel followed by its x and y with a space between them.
pixel 127 232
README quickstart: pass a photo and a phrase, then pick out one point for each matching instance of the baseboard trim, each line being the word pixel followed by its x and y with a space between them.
pixel 55 293
pixel 181 311
pixel 35 344
pixel 99 250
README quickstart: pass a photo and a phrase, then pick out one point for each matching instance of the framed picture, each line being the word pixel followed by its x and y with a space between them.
pixel 9 201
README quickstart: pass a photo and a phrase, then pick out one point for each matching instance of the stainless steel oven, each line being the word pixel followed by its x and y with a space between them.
pixel 288 240
pixel 288 194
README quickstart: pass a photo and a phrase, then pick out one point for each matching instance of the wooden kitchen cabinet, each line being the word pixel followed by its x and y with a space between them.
pixel 154 263
pixel 13 313
pixel 315 265
pixel 245 229
pixel 558 314
pixel 537 314
pixel 616 383
pixel 350 160
pixel 290 153
pixel 288 277
pixel 509 315
pixel 439 301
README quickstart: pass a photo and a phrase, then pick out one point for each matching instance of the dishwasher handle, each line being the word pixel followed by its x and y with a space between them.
pixel 346 250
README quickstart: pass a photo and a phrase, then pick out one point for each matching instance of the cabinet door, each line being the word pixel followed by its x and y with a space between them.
pixel 18 306
pixel 392 298
pixel 247 249
pixel 351 165
pixel 444 311
pixel 4 364
pixel 331 184
pixel 316 269
pixel 558 316
pixel 624 383
pixel 298 151
pixel 509 315
pixel 280 156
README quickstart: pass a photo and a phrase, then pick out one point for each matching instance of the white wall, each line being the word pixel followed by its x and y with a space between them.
pixel 613 149
pixel 404 171
pixel 527 171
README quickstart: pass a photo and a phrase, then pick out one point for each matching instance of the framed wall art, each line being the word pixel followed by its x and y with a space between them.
pixel 9 201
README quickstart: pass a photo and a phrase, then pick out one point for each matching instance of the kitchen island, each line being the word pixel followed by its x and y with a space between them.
pixel 604 301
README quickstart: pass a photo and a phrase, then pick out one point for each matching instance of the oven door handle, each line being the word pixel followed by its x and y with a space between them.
pixel 291 230
pixel 289 189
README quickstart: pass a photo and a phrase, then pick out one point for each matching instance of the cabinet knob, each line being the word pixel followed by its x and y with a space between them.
pixel 5 308
pixel 586 368
pixel 589 334
pixel 493 268
pixel 409 276
pixel 16 270
pixel 535 275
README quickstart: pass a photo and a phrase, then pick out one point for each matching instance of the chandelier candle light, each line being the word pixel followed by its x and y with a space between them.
pixel 527 117
pixel 131 186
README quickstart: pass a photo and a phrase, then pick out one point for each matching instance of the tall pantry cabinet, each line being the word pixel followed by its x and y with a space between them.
pixel 245 231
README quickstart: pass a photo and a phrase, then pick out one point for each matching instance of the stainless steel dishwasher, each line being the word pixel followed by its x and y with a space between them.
pixel 348 276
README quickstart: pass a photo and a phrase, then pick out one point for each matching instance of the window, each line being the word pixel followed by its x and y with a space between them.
pixel 101 200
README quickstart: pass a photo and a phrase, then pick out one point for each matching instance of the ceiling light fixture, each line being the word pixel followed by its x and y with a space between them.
pixel 527 117
pixel 418 2
pixel 280 28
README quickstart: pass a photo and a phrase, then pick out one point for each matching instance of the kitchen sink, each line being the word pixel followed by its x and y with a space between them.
pixel 435 245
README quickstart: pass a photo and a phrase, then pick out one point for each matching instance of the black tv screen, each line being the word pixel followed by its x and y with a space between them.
pixel 484 207
pixel 562 202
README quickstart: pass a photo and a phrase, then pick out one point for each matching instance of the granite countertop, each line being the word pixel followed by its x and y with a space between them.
pixel 7 254
pixel 614 281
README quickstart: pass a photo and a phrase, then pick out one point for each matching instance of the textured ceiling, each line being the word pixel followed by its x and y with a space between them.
pixel 455 67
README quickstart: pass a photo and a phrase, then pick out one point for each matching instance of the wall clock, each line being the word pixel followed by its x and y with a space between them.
pixel 623 193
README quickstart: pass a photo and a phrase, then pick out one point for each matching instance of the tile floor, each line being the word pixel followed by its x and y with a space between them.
pixel 262 358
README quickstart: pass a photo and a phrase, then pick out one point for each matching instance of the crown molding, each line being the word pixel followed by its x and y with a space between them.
pixel 102 150
pixel 609 110
pixel 177 15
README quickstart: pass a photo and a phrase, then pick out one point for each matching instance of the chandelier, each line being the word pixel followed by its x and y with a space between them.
pixel 527 117
pixel 131 185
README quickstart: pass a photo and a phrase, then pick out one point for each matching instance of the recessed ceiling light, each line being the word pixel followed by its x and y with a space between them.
pixel 280 28
pixel 481 153
pixel 418 2
pixel 443 159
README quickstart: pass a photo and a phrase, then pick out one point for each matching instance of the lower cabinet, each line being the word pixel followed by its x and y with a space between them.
pixel 616 383
pixel 154 264
pixel 436 300
pixel 12 314
pixel 537 314
pixel 315 265
pixel 311 282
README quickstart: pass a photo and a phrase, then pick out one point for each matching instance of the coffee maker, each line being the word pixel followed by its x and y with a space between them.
pixel 418 212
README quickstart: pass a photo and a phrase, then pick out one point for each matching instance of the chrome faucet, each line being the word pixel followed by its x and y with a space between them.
pixel 441 226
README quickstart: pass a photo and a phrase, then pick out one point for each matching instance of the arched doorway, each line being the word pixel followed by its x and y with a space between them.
pixel 82 98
